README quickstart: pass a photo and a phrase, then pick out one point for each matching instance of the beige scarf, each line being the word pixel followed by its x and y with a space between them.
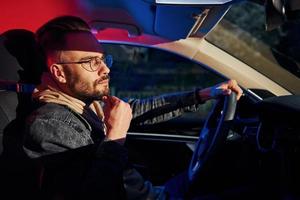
pixel 48 91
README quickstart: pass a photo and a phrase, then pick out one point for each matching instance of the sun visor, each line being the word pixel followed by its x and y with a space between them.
pixel 178 19
pixel 168 19
pixel 176 22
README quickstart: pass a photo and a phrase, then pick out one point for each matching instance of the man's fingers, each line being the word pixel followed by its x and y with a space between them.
pixel 111 101
pixel 106 101
pixel 232 84
pixel 114 100
pixel 227 92
pixel 238 91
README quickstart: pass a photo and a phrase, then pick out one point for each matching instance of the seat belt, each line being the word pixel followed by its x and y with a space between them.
pixel 16 87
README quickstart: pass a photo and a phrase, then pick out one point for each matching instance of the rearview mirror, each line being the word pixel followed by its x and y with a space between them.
pixel 281 11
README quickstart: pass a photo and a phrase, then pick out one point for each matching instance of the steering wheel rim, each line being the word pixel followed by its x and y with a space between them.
pixel 213 134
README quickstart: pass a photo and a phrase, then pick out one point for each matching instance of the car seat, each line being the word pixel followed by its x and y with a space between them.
pixel 8 99
pixel 18 55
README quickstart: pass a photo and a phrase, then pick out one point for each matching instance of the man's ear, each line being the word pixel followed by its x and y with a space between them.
pixel 58 73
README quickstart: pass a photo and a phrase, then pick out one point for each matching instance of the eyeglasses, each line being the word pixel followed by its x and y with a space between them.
pixel 94 63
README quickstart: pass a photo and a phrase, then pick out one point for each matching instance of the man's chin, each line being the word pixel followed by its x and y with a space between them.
pixel 102 94
pixel 105 92
pixel 95 97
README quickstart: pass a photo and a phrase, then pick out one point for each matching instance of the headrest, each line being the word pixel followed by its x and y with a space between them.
pixel 20 57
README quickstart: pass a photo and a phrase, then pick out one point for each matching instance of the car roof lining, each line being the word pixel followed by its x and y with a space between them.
pixel 136 16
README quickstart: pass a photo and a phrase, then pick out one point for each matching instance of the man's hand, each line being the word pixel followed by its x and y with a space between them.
pixel 224 88
pixel 117 117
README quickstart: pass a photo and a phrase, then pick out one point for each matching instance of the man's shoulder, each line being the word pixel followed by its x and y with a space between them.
pixel 53 110
pixel 57 112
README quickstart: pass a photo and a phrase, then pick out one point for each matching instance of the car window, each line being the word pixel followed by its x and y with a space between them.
pixel 141 72
pixel 275 53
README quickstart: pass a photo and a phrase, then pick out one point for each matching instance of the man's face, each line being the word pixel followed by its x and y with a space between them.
pixel 81 82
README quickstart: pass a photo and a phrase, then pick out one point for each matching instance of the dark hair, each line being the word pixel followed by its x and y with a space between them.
pixel 51 34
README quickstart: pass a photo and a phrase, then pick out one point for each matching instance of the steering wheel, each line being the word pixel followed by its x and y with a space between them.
pixel 213 134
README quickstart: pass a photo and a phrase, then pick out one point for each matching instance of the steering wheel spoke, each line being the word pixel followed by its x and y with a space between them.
pixel 213 134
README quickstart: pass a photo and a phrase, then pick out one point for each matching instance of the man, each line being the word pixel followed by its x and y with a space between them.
pixel 79 144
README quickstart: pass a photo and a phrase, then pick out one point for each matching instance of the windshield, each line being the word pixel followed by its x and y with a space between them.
pixel 276 53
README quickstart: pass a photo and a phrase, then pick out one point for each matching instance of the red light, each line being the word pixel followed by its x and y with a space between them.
pixel 31 14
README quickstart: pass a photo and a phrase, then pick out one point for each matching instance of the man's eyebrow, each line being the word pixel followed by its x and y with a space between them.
pixel 90 57
pixel 86 58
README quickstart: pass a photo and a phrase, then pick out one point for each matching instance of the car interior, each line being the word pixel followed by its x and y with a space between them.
pixel 257 159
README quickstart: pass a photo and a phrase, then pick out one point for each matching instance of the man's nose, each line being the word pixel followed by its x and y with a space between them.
pixel 103 69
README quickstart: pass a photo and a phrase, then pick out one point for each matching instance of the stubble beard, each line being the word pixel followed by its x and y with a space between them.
pixel 86 92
